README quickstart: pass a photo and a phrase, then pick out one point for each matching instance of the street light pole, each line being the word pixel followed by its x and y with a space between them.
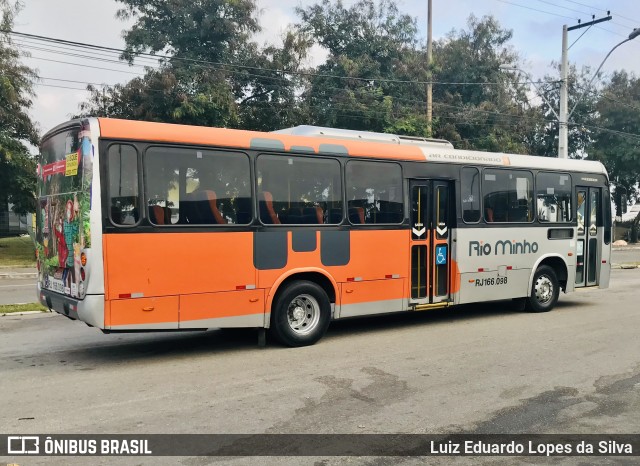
pixel 635 33
pixel 564 115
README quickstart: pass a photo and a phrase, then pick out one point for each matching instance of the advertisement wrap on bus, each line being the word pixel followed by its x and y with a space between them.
pixel 65 173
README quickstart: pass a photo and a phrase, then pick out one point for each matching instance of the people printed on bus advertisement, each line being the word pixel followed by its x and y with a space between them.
pixel 64 212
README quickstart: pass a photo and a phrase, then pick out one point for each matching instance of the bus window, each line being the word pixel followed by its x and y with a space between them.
pixel 299 190
pixel 197 187
pixel 470 190
pixel 374 192
pixel 508 195
pixel 124 199
pixel 553 192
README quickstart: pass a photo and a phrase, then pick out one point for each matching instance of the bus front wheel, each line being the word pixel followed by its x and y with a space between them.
pixel 301 314
pixel 545 290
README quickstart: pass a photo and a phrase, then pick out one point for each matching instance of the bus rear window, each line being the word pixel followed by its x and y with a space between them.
pixel 59 169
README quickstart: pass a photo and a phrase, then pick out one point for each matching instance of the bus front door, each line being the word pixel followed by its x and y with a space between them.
pixel 430 251
pixel 588 254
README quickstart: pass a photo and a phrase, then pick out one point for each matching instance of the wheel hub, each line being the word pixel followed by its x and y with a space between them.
pixel 303 314
pixel 298 314
pixel 544 290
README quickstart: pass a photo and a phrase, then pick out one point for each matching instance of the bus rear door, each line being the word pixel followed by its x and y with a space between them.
pixel 589 236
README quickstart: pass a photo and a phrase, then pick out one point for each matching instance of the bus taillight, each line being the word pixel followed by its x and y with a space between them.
pixel 83 260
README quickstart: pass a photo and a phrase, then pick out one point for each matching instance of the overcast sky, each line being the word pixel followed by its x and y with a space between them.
pixel 536 24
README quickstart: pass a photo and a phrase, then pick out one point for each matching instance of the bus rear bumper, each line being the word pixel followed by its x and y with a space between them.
pixel 89 310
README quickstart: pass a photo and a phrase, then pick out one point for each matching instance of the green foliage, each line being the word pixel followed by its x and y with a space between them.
pixel 193 86
pixel 17 252
pixel 619 112
pixel 367 44
pixel 17 167
pixel 13 308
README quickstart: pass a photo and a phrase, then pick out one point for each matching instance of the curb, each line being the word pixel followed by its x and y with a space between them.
pixel 18 275
pixel 24 313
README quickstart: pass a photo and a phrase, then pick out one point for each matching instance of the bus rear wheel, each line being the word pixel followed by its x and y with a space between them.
pixel 545 290
pixel 301 314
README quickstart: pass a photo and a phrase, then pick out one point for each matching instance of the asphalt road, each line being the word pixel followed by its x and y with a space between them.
pixel 14 291
pixel 475 369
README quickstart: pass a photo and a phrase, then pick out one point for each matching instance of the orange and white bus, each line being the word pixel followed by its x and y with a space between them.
pixel 151 226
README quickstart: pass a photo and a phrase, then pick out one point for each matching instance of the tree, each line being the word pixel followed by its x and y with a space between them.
pixel 371 47
pixel 210 74
pixel 489 109
pixel 17 167
pixel 617 144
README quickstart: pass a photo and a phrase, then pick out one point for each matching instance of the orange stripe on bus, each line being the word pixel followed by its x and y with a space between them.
pixel 165 132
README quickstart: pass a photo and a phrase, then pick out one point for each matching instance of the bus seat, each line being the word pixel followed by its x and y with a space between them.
pixel 207 203
pixel 390 212
pixel 267 214
pixel 313 215
pixel 116 214
pixel 488 214
pixel 243 214
pixel 201 208
pixel 356 215
pixel 157 215
pixel 335 216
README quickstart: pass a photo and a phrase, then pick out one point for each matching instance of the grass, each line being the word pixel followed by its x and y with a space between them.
pixel 11 308
pixel 17 252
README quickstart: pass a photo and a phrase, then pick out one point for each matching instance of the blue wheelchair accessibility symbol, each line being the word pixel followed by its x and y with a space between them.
pixel 441 255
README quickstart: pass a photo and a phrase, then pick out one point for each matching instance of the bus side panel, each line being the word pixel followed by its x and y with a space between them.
pixel 370 255
pixel 154 265
pixel 225 309
pixel 497 262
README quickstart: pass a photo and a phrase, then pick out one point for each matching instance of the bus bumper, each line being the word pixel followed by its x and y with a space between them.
pixel 89 310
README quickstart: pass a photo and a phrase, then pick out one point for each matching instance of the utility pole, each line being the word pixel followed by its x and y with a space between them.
pixel 563 140
pixel 563 137
pixel 429 84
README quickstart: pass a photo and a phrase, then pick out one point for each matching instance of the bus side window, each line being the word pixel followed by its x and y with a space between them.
pixel 553 191
pixel 470 194
pixel 124 198
pixel 299 190
pixel 191 186
pixel 374 192
pixel 508 196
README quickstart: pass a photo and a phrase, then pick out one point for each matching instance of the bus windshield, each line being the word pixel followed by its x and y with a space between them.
pixel 64 196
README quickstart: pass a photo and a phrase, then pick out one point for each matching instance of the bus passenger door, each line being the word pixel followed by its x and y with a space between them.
pixel 589 236
pixel 430 252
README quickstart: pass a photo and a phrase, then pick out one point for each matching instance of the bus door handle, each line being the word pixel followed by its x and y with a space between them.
pixel 148 308
pixel 348 291
pixel 254 300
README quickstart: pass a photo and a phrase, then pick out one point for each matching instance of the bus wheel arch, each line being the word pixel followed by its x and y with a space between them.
pixel 559 266
pixel 549 276
pixel 317 276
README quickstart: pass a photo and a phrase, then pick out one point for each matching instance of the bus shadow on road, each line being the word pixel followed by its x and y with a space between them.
pixel 159 345
pixel 453 315
pixel 117 348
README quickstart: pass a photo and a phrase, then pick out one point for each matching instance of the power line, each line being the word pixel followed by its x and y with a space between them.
pixel 220 64
pixel 564 7
pixel 536 9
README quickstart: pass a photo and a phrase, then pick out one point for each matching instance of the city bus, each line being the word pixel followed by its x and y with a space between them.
pixel 154 227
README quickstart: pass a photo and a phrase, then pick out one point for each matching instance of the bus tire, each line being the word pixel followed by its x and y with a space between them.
pixel 301 314
pixel 545 290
